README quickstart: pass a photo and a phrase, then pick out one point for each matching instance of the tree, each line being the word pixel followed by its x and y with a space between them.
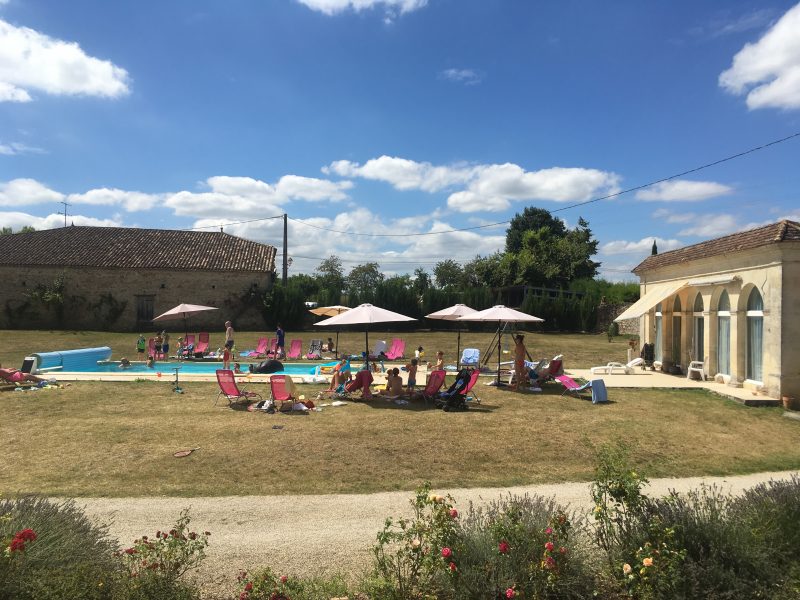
pixel 331 280
pixel 487 270
pixel 448 273
pixel 23 229
pixel 531 219
pixel 422 281
pixel 363 279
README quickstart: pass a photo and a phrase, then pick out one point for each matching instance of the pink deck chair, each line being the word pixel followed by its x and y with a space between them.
pixel 435 383
pixel 188 341
pixel 261 349
pixel 473 379
pixel 231 391
pixel 295 349
pixel 279 391
pixel 361 381
pixel 202 344
pixel 273 344
pixel 397 350
pixel 572 386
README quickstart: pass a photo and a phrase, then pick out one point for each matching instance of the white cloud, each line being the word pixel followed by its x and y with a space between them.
pixel 769 69
pixel 245 196
pixel 711 226
pixel 333 7
pixel 130 201
pixel 14 148
pixel 30 60
pixel 18 192
pixel 682 190
pixel 18 220
pixel 403 174
pixel 488 187
pixel 670 217
pixel 465 76
pixel 640 247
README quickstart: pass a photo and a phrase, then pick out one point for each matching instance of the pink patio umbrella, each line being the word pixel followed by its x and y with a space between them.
pixel 183 311
pixel 365 314
pixel 331 311
pixel 453 313
pixel 501 314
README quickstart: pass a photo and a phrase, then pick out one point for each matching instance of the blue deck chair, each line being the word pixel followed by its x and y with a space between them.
pixel 470 356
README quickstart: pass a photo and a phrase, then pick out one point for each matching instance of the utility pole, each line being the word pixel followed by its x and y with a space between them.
pixel 285 249
pixel 64 202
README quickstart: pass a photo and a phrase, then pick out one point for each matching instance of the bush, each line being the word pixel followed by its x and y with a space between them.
pixel 522 546
pixel 70 558
pixel 266 585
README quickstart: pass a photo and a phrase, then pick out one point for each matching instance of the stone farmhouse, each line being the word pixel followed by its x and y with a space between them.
pixel 729 303
pixel 115 278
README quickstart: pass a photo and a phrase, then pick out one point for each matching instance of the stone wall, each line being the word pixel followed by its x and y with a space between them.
pixel 606 313
pixel 109 299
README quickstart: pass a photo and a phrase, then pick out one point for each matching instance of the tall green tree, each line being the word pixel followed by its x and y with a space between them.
pixel 331 280
pixel 421 282
pixel 364 279
pixel 448 274
pixel 531 219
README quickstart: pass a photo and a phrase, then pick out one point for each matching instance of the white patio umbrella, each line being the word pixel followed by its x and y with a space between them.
pixel 183 311
pixel 365 314
pixel 331 311
pixel 501 314
pixel 453 313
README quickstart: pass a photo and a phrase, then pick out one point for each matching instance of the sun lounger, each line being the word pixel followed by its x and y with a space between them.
pixel 295 348
pixel 612 367
pixel 314 350
pixel 435 383
pixel 361 381
pixel 228 388
pixel 279 386
pixel 202 345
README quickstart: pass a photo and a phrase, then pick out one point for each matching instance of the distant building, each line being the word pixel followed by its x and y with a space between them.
pixel 732 303
pixel 120 278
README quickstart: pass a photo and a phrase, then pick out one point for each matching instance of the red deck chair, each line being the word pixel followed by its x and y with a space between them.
pixel 279 391
pixel 361 381
pixel 202 345
pixel 295 349
pixel 435 383
pixel 188 340
pixel 261 349
pixel 231 391
pixel 473 379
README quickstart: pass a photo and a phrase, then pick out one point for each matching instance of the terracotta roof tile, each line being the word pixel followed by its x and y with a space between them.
pixel 773 233
pixel 131 248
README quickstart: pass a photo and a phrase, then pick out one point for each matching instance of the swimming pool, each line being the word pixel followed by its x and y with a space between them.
pixel 195 367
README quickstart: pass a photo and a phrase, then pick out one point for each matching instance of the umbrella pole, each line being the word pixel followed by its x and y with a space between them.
pixel 336 348
pixel 499 351
pixel 458 351
pixel 366 341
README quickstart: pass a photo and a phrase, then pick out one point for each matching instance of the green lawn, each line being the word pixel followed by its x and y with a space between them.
pixel 117 439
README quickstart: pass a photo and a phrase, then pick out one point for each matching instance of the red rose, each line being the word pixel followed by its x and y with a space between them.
pixel 550 562
pixel 130 550
pixel 284 578
pixel 17 545
pixel 453 513
pixel 510 593
pixel 549 530
pixel 27 535
pixel 446 552
pixel 549 546
pixel 248 587
pixel 502 547
pixel 452 566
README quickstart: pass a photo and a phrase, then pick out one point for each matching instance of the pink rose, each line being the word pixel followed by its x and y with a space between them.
pixel 446 552
pixel 549 546
pixel 284 578
pixel 502 547
pixel 248 587
pixel 510 593
pixel 453 513
pixel 453 566
pixel 549 530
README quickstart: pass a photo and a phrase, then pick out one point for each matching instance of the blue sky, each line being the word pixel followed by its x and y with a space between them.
pixel 399 118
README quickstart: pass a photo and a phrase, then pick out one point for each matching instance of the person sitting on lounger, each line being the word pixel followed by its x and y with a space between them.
pixel 341 374
pixel 17 376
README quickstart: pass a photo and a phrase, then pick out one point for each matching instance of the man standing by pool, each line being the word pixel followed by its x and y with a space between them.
pixel 229 335
pixel 280 351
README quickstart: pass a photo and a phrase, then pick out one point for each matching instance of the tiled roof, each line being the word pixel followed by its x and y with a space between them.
pixel 782 231
pixel 130 248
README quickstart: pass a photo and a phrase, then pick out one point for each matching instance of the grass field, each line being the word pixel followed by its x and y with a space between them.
pixel 117 439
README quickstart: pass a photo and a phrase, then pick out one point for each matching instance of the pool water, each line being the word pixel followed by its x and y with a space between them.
pixel 190 367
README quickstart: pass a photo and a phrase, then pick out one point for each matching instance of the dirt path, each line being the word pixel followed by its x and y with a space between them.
pixel 319 534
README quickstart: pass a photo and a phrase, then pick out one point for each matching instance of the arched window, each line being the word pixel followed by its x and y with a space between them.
pixel 755 335
pixel 698 329
pixel 724 334
pixel 676 331
pixel 658 355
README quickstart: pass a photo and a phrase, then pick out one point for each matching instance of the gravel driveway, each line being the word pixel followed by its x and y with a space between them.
pixel 319 534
